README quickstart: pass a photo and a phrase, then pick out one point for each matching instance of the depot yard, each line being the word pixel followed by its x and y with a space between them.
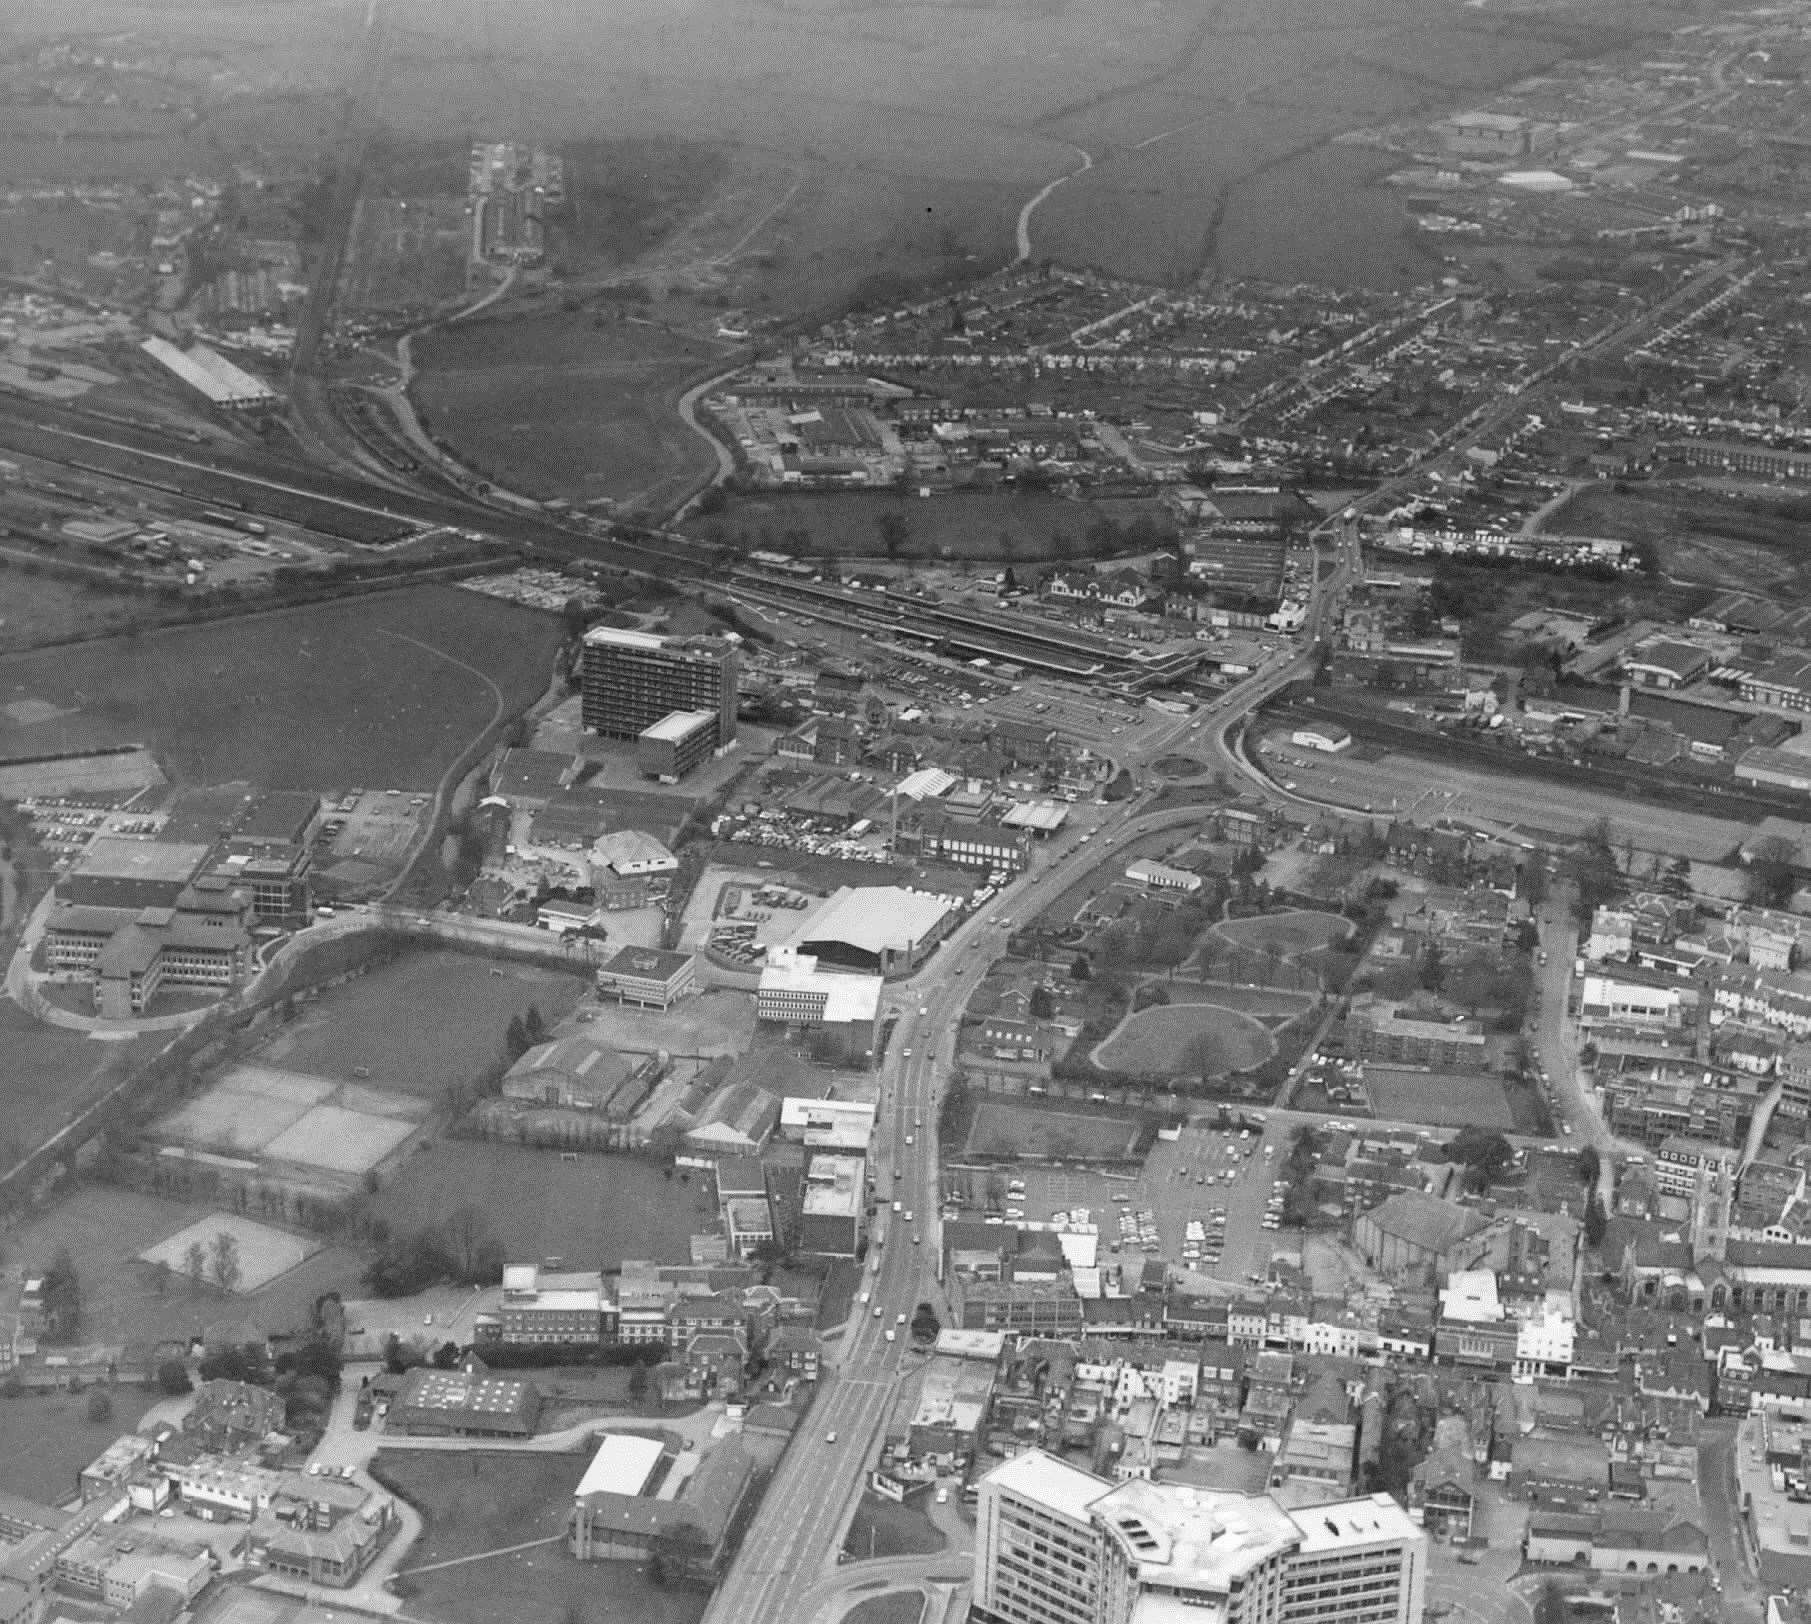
pixel 458 1010
pixel 1011 1130
pixel 1421 790
pixel 597 1208
pixel 386 689
pixel 1168 1040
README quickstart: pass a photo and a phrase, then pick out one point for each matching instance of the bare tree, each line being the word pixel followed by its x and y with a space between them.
pixel 195 1263
pixel 225 1261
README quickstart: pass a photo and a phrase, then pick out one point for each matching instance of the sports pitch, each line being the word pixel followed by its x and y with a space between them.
pixel 1006 1131
pixel 1440 1099
pixel 264 1253
pixel 290 1116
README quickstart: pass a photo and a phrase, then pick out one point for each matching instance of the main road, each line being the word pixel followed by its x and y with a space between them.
pixel 796 1533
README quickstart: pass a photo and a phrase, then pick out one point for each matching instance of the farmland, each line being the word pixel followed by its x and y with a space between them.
pixel 458 1010
pixel 380 690
pixel 1015 1130
pixel 1176 1038
pixel 499 1502
pixel 598 1209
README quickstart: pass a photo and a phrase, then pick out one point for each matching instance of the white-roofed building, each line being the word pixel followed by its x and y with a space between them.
pixel 1040 817
pixel 1161 877
pixel 883 928
pixel 827 1124
pixel 927 784
pixel 830 1207
pixel 1057 1545
pixel 631 854
pixel 624 1464
pixel 211 373
pixel 793 991
pixel 671 747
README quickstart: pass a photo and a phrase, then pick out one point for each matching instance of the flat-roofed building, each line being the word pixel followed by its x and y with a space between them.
pixel 831 1204
pixel 793 991
pixel 648 977
pixel 549 1308
pixel 1056 1545
pixel 827 1124
pixel 625 1463
pixel 468 1403
pixel 629 680
pixel 115 872
pixel 1161 877
pixel 678 742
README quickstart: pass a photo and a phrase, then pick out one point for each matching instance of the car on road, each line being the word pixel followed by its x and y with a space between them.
pixel 905 1054
pixel 924 1009
pixel 910 1140
pixel 830 1437
pixel 897 1204
pixel 878 1311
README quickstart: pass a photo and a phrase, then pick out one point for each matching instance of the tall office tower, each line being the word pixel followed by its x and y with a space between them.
pixel 1055 1545
pixel 631 680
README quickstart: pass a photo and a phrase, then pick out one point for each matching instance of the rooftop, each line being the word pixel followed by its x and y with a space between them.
pixel 877 918
pixel 1043 1478
pixel 1204 1538
pixel 624 1464
pixel 678 725
pixel 112 857
pixel 834 1186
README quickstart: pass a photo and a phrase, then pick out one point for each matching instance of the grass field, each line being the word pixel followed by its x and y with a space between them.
pixel 477 1503
pixel 1441 1099
pixel 264 1252
pixel 1022 1130
pixel 1004 526
pixel 382 690
pixel 594 1212
pixel 1268 1004
pixel 897 1607
pixel 561 406
pixel 1163 1040
pixel 48 1073
pixel 41 608
pixel 45 1440
pixel 105 1229
pixel 458 1011
pixel 882 1528
pixel 1299 931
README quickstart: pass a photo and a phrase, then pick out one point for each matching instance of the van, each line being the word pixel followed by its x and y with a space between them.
pixel 891 1337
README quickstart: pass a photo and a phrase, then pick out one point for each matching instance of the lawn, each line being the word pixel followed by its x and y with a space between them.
pixel 896 1607
pixel 48 1073
pixel 43 608
pixel 383 690
pixel 1441 1099
pixel 458 1011
pixel 46 1439
pixel 1268 1004
pixel 1164 1040
pixel 1299 931
pixel 473 1503
pixel 105 1229
pixel 882 1528
pixel 1024 1130
pixel 1007 527
pixel 593 1212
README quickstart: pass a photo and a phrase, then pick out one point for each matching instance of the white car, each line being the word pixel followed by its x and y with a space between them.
pixel 910 1140
pixel 901 1320
pixel 906 1054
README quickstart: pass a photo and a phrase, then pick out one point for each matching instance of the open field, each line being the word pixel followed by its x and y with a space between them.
pixel 1702 534
pixel 48 1073
pixel 105 1229
pixel 1441 1099
pixel 1006 527
pixel 459 1009
pixel 897 1607
pixel 492 1502
pixel 1166 1039
pixel 594 1212
pixel 1019 1130
pixel 882 1528
pixel 42 608
pixel 559 406
pixel 1289 934
pixel 380 690
pixel 46 1439
pixel 263 1252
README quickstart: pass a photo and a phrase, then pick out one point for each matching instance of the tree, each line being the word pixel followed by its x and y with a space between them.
pixel 1081 969
pixel 62 1296
pixel 1041 1006
pixel 895 531
pixel 224 1261
pixel 515 1038
pixel 1770 871
pixel 468 1241
pixel 925 1324
pixel 195 1263
pixel 173 1379
pixel 1588 1165
pixel 1551 1606
pixel 1597 1221
pixel 534 1026
pixel 100 1407
pixel 446 1356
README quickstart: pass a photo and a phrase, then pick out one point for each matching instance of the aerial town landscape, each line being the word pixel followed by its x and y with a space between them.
pixel 828 812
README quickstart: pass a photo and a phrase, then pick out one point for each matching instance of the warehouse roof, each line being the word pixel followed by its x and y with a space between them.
pixel 111 857
pixel 878 918
pixel 1425 1220
pixel 623 1464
